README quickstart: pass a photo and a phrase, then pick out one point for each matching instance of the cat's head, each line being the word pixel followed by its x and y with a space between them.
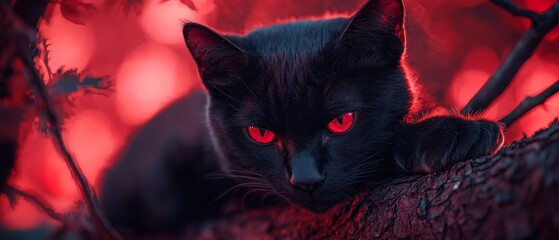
pixel 306 109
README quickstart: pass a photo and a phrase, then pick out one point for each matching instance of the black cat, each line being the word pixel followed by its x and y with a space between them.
pixel 308 111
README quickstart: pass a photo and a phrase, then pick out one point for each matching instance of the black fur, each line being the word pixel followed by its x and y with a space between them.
pixel 292 79
pixel 160 179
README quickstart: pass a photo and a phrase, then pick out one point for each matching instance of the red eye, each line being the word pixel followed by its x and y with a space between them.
pixel 342 123
pixel 261 135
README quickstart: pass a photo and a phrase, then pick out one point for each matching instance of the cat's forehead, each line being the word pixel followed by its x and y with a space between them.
pixel 299 103
pixel 290 84
pixel 294 38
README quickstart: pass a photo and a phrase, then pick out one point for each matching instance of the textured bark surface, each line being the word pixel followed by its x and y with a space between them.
pixel 511 195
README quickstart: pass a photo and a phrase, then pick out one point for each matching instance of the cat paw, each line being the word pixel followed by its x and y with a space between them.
pixel 437 143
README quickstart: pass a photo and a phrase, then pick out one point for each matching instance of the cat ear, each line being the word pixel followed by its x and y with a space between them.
pixel 219 61
pixel 377 23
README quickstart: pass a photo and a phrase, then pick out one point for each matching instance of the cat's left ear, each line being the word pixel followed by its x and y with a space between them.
pixel 378 23
pixel 219 61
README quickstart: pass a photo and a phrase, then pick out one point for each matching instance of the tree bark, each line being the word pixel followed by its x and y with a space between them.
pixel 511 195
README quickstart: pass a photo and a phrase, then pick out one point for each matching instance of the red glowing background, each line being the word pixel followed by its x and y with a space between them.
pixel 453 47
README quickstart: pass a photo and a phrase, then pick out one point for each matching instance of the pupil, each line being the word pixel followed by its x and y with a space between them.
pixel 262 131
pixel 340 119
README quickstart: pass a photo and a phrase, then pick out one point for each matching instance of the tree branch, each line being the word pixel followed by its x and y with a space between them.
pixel 510 195
pixel 37 201
pixel 524 48
pixel 37 86
pixel 55 131
pixel 516 10
pixel 529 103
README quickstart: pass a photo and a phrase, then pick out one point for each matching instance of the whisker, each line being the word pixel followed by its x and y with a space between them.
pixel 224 93
pixel 238 186
pixel 245 171
pixel 252 191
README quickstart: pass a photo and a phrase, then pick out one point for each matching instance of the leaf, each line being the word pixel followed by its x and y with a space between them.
pixel 99 83
pixel 189 3
pixel 77 12
pixel 64 83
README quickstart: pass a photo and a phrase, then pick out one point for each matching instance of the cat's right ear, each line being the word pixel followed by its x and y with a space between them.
pixel 219 61
pixel 377 27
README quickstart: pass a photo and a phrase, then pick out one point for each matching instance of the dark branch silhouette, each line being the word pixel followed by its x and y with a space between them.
pixel 25 57
pixel 46 58
pixel 529 103
pixel 524 48
pixel 516 10
pixel 13 192
pixel 39 89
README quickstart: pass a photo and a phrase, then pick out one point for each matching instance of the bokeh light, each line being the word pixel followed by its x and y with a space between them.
pixel 465 85
pixel 146 82
pixel 71 44
pixel 24 216
pixel 541 77
pixel 90 138
pixel 454 46
pixel 163 21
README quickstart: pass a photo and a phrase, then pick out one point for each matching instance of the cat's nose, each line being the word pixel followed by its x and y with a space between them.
pixel 305 173
pixel 307 183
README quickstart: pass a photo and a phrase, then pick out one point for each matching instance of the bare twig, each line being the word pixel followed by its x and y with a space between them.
pixel 76 220
pixel 529 103
pixel 37 86
pixel 46 58
pixel 515 9
pixel 37 201
pixel 39 89
pixel 499 81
